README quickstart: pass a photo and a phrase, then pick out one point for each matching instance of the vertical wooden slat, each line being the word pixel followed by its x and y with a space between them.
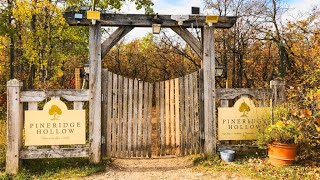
pixel 149 120
pixel 196 113
pixel 167 115
pixel 119 119
pixel 104 90
pixel 177 115
pixel 32 105
pixel 130 101
pixel 158 122
pixel 77 105
pixel 182 116
pixel 191 104
pixel 114 114
pixel 162 118
pixel 187 106
pixel 145 119
pixel 135 116
pixel 109 118
pixel 172 119
pixel 201 108
pixel 125 118
pixel 140 101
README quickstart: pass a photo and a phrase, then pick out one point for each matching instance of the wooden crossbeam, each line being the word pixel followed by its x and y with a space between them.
pixel 54 153
pixel 114 38
pixel 190 39
pixel 143 20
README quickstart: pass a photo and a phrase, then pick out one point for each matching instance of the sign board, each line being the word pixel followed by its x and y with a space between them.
pixel 243 121
pixel 54 125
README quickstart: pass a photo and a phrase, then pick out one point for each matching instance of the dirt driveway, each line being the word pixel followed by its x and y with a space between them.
pixel 164 168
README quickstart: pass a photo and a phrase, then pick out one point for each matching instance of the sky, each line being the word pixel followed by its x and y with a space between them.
pixel 183 7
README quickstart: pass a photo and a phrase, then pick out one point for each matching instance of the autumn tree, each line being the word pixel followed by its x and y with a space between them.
pixel 152 58
pixel 46 50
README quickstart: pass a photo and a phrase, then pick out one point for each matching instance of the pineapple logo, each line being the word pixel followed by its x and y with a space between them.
pixel 244 108
pixel 55 111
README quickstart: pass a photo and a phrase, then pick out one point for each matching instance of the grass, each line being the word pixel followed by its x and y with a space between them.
pixel 255 165
pixel 49 168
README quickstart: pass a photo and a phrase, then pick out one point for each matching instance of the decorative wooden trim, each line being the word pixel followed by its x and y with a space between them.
pixel 70 95
pixel 195 44
pixel 114 39
pixel 225 94
pixel 54 153
pixel 144 20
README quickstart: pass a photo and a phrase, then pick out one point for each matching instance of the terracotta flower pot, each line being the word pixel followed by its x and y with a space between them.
pixel 282 154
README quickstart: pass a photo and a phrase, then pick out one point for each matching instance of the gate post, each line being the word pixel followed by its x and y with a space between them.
pixel 278 91
pixel 14 126
pixel 209 91
pixel 95 92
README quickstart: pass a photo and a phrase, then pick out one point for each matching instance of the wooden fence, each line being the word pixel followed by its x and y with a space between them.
pixel 131 125
pixel 127 110
pixel 15 142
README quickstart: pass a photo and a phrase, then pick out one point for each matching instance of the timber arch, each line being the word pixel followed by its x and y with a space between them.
pixel 125 23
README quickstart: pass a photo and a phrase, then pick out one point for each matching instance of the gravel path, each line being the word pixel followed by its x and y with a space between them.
pixel 164 168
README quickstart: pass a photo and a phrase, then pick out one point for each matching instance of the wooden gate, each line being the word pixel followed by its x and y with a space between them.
pixel 133 127
pixel 127 108
pixel 177 116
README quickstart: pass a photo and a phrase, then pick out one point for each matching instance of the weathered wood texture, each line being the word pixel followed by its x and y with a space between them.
pixel 195 44
pixel 127 116
pixel 95 93
pixel 177 107
pixel 69 95
pixel 225 94
pixel 278 91
pixel 14 126
pixel 143 20
pixel 54 153
pixel 114 39
pixel 209 91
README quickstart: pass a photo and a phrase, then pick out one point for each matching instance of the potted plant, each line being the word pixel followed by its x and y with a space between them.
pixel 281 139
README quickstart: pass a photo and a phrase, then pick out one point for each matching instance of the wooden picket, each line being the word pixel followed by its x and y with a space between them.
pixel 127 116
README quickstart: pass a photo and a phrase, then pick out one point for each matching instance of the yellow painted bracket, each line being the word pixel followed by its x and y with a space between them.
pixel 95 15
pixel 212 19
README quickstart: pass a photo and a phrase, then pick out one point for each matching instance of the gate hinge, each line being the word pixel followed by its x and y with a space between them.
pixel 103 140
pixel 102 97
